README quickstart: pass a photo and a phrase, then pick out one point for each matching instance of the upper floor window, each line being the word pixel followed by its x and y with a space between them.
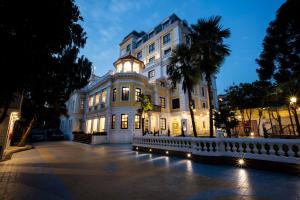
pixel 166 24
pixel 151 34
pixel 128 48
pixel 167 38
pixel 82 104
pixel 175 103
pixel 97 99
pixel 137 94
pixel 124 121
pixel 125 93
pixel 167 52
pixel 151 74
pixel 139 55
pixel 103 96
pixel 114 94
pixel 151 47
pixel 163 102
pixel 152 60
pixel 202 91
pixel 91 101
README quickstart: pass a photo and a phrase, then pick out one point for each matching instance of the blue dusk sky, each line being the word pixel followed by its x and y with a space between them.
pixel 107 22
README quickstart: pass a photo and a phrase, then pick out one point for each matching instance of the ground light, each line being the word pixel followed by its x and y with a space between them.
pixel 241 162
pixel 167 152
pixel 137 148
pixel 189 155
pixel 150 150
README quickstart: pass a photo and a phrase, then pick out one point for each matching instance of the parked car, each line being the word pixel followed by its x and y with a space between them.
pixel 55 134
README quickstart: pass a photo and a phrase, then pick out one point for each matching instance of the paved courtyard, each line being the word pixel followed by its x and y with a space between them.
pixel 67 170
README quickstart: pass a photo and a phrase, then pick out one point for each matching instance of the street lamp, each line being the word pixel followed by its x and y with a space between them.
pixel 293 100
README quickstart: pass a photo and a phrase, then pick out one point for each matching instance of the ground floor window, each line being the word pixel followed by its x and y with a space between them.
pixel 137 121
pixel 113 121
pixel 102 124
pixel 163 124
pixel 89 126
pixel 124 121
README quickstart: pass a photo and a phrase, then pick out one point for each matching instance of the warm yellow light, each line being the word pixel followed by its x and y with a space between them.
pixel 167 152
pixel 150 150
pixel 252 134
pixel 239 116
pixel 241 161
pixel 189 155
pixel 293 99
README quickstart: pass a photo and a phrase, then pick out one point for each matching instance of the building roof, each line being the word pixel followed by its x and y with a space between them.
pixel 129 57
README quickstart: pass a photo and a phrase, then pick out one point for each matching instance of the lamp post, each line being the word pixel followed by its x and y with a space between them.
pixel 293 104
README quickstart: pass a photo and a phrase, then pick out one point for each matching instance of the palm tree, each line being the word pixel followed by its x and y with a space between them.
pixel 181 69
pixel 207 43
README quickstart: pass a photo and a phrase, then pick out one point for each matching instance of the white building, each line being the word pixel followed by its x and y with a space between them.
pixel 109 103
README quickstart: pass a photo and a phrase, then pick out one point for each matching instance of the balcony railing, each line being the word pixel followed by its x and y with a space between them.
pixel 277 150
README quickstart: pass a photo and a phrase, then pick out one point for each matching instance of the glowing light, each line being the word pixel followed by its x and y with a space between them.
pixel 252 134
pixel 150 150
pixel 293 99
pixel 137 148
pixel 189 155
pixel 241 162
pixel 167 152
pixel 239 116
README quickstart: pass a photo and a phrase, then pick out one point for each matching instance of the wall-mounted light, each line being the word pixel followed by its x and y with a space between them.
pixel 150 150
pixel 137 148
pixel 167 152
pixel 189 155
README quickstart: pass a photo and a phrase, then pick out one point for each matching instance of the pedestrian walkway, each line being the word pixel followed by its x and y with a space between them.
pixel 67 170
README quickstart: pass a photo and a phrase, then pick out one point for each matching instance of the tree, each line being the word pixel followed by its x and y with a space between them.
pixel 208 42
pixel 181 69
pixel 40 41
pixel 146 105
pixel 225 119
pixel 279 61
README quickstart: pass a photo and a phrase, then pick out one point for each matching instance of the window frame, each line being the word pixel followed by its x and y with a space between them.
pixel 113 121
pixel 168 40
pixel 150 49
pixel 137 94
pixel 114 94
pixel 164 123
pixel 138 122
pixel 173 103
pixel 124 122
pixel 162 101
pixel 123 95
pixel 151 74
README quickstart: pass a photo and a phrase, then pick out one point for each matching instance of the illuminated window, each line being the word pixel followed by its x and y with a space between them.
pixel 114 94
pixel 137 94
pixel 113 121
pixel 203 124
pixel 137 121
pixel 202 91
pixel 81 104
pixel 102 124
pixel 151 47
pixel 163 124
pixel 163 102
pixel 97 99
pixel 103 96
pixel 124 121
pixel 151 74
pixel 91 101
pixel 125 93
pixel 175 103
pixel 166 39
pixel 127 66
pixel 95 125
pixel 89 126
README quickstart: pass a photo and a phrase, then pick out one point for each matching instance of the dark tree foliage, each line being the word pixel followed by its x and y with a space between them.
pixel 40 42
pixel 208 44
pixel 280 58
pixel 225 119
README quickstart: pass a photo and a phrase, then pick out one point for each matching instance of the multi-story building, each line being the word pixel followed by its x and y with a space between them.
pixel 110 103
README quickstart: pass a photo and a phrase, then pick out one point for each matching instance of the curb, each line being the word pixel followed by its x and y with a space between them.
pixel 9 154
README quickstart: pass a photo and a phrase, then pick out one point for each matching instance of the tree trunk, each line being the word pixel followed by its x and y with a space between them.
pixel 26 133
pixel 296 120
pixel 260 112
pixel 211 123
pixel 192 112
pixel 293 128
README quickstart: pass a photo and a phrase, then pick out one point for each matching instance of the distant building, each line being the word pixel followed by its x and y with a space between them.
pixel 109 103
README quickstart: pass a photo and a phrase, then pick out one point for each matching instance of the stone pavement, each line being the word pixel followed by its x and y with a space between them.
pixel 67 170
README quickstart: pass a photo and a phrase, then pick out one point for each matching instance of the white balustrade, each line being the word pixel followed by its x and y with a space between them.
pixel 279 150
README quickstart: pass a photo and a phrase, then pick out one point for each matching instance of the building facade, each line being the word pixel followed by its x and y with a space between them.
pixel 110 103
